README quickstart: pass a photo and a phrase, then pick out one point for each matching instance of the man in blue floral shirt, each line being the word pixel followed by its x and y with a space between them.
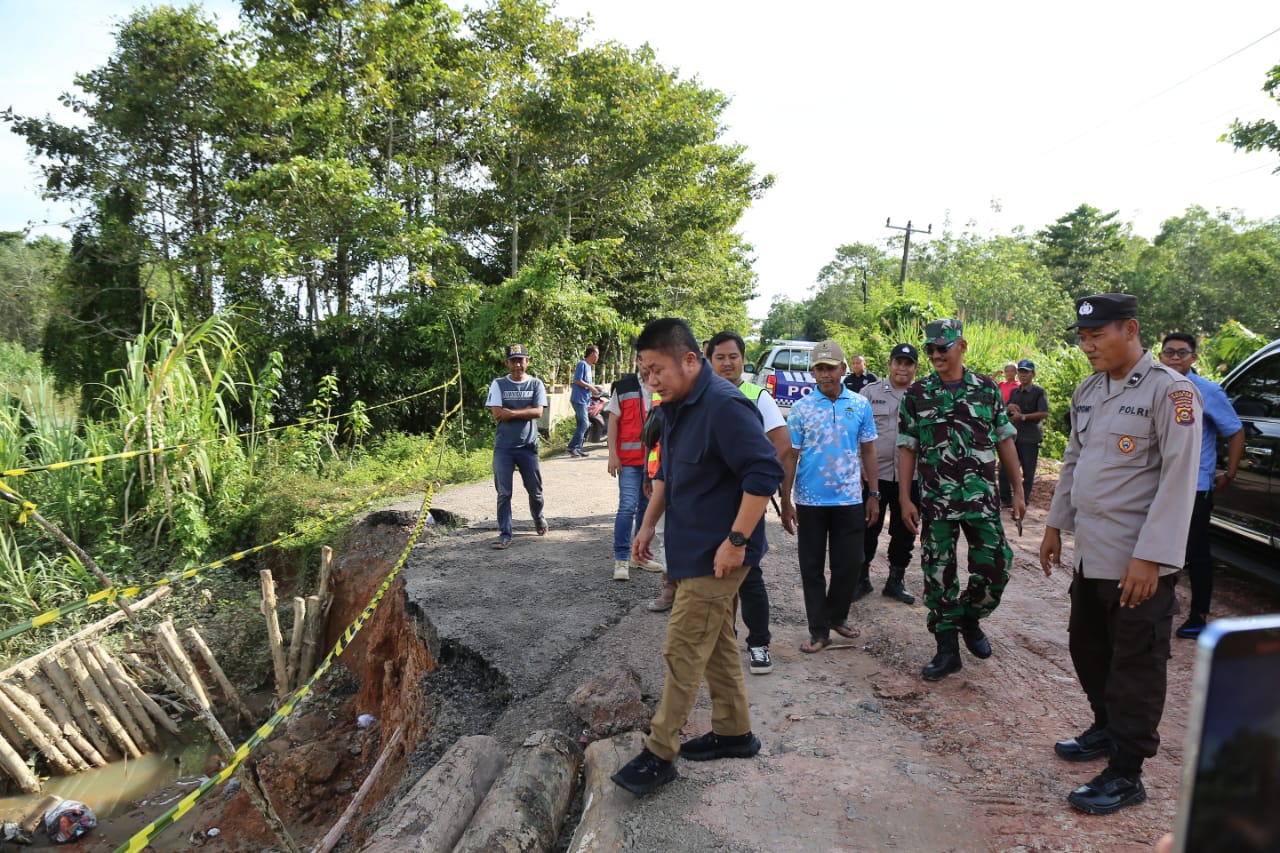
pixel 832 430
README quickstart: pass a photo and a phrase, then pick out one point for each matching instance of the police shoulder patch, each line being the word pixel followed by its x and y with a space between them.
pixel 1183 400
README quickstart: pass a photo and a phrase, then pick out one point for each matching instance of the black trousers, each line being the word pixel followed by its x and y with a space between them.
pixel 901 540
pixel 1121 655
pixel 838 529
pixel 1199 556
pixel 753 598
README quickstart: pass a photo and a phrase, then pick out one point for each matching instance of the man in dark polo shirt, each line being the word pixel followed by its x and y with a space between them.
pixel 717 473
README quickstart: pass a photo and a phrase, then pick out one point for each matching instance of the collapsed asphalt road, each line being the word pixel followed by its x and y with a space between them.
pixel 859 753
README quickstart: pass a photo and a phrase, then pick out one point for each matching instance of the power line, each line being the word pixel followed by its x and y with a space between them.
pixel 1131 109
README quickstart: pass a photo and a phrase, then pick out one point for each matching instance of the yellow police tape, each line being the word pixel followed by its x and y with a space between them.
pixel 139 841
pixel 113 592
pixel 155 451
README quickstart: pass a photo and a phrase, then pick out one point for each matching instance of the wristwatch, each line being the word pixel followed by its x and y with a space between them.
pixel 737 540
pixel 873 494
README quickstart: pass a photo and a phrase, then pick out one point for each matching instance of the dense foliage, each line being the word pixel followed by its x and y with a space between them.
pixel 359 177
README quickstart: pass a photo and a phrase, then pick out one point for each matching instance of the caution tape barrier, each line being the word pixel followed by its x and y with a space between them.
pixel 110 594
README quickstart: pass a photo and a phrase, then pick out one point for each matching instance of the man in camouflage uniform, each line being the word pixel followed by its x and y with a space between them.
pixel 954 423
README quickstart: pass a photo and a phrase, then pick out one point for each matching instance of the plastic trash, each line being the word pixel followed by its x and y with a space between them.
pixel 15 833
pixel 365 720
pixel 67 821
pixel 213 832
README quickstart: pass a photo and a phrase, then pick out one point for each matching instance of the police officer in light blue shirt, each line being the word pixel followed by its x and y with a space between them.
pixel 1178 352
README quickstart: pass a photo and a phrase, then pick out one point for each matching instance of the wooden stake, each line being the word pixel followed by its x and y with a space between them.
pixel 332 837
pixel 273 633
pixel 87 686
pixel 56 757
pixel 295 642
pixel 326 568
pixel 224 683
pixel 84 720
pixel 43 690
pixel 17 768
pixel 311 638
pixel 168 637
pixel 46 728
pixel 123 687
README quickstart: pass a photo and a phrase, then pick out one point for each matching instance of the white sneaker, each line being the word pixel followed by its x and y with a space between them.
pixel 649 566
pixel 620 571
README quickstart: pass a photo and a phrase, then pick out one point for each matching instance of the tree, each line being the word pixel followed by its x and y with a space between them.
pixel 1263 134
pixel 28 272
pixel 1083 250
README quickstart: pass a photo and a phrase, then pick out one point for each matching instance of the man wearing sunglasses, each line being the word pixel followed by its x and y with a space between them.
pixel 954 423
pixel 1178 353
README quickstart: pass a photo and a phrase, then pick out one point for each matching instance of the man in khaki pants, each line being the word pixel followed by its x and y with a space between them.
pixel 716 474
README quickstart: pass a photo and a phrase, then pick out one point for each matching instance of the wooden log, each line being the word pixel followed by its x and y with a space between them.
pixel 10 731
pixel 44 724
pixel 335 833
pixel 311 638
pixel 168 637
pixel 48 748
pixel 228 689
pixel 435 812
pixel 123 685
pixel 89 688
pixel 273 633
pixel 525 809
pixel 44 690
pixel 29 665
pixel 295 642
pixel 123 713
pixel 326 571
pixel 604 803
pixel 88 726
pixel 17 769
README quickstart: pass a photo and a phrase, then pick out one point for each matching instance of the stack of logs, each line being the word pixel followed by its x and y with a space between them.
pixel 82 706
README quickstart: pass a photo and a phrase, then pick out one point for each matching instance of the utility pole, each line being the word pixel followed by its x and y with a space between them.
pixel 906 246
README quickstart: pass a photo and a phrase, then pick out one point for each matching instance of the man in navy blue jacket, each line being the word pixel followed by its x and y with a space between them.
pixel 718 471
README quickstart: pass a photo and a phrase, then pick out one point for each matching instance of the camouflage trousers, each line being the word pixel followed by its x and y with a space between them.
pixel 989 559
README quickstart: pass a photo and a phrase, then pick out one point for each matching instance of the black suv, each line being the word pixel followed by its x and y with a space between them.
pixel 1249 506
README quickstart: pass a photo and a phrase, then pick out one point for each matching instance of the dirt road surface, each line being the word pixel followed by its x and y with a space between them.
pixel 859 753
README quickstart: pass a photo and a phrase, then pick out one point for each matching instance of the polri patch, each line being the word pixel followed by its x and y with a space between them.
pixel 1184 413
pixel 1126 444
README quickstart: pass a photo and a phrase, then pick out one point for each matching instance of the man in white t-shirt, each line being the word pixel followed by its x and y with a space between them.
pixel 726 352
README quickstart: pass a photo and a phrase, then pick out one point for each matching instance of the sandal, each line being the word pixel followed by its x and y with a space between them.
pixel 815 644
pixel 542 527
pixel 501 543
pixel 846 631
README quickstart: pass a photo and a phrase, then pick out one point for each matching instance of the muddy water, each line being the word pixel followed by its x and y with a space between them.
pixel 123 785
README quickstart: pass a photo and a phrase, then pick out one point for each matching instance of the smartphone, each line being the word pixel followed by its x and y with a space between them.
pixel 1230 797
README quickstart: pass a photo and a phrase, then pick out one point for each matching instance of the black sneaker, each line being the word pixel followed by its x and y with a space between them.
pixel 645 773
pixel 1091 744
pixel 761 663
pixel 711 746
pixel 1191 629
pixel 1108 792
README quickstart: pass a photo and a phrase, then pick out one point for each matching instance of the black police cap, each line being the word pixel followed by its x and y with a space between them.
pixel 1103 308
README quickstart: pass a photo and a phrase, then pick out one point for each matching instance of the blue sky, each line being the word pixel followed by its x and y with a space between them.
pixel 997 112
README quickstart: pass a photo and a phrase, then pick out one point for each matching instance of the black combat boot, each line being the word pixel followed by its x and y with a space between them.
pixel 947 660
pixel 893 587
pixel 862 582
pixel 975 639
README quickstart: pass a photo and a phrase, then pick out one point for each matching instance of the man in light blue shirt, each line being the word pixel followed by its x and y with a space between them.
pixel 1178 352
pixel 580 398
pixel 832 430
